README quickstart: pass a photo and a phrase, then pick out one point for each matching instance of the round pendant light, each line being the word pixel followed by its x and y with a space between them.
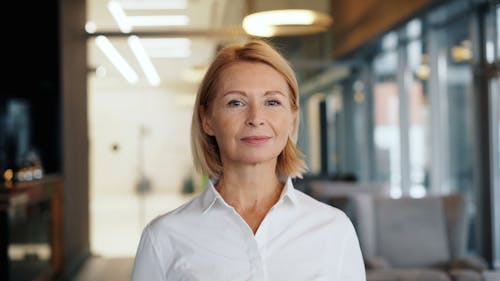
pixel 286 22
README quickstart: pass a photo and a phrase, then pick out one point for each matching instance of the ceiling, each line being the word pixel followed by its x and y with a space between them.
pixel 212 23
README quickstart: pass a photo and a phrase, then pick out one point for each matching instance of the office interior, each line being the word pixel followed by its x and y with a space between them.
pixel 400 125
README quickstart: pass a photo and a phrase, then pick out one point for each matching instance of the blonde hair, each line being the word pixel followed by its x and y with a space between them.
pixel 206 154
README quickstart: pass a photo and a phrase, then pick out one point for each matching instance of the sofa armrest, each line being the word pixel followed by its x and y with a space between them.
pixel 490 275
pixel 464 275
pixel 471 262
pixel 377 263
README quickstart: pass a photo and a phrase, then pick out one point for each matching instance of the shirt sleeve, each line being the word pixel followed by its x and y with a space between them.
pixel 352 267
pixel 147 263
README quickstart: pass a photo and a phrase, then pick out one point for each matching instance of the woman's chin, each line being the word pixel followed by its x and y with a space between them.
pixel 256 160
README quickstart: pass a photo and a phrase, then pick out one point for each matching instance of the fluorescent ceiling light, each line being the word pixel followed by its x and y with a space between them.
pixel 90 27
pixel 116 59
pixel 269 23
pixel 120 17
pixel 158 20
pixel 154 4
pixel 143 58
pixel 167 47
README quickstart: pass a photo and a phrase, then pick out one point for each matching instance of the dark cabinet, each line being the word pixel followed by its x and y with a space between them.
pixel 30 230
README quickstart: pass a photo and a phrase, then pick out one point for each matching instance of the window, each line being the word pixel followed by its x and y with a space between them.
pixel 386 120
pixel 418 121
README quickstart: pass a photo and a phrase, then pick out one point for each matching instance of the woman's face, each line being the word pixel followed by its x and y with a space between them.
pixel 251 116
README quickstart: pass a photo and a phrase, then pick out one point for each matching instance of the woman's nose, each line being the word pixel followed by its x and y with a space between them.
pixel 255 117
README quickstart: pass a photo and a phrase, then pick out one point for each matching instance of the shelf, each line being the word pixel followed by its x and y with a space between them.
pixel 31 230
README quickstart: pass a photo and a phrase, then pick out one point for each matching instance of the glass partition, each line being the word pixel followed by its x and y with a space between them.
pixel 455 110
pixel 418 107
pixel 386 121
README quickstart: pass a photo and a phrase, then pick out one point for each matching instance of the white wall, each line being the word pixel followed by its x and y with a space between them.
pixel 116 114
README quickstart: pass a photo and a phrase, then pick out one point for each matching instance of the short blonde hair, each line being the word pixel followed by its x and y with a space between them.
pixel 206 154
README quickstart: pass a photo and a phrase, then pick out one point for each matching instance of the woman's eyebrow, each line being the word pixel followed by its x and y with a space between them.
pixel 235 92
pixel 273 93
pixel 243 93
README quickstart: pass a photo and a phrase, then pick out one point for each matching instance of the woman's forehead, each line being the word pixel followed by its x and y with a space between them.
pixel 251 74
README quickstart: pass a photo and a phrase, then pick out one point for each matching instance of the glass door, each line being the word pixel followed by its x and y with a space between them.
pixel 386 119
pixel 417 60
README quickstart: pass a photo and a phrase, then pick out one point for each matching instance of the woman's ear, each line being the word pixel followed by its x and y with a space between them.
pixel 205 122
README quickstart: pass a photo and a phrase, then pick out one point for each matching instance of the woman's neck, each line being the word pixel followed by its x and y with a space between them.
pixel 247 189
pixel 252 192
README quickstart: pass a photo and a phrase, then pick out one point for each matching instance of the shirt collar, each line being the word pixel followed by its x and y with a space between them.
pixel 288 192
pixel 211 195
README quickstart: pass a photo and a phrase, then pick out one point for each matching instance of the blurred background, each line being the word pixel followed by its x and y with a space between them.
pixel 139 130
pixel 399 99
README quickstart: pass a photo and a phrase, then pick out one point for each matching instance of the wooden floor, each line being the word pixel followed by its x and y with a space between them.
pixel 105 269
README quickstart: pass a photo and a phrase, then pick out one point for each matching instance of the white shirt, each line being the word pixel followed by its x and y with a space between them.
pixel 207 240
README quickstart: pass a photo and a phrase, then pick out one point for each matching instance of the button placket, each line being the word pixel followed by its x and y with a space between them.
pixel 252 248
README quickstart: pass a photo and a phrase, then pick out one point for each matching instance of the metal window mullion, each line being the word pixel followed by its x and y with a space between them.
pixel 495 168
pixel 404 81
pixel 482 178
pixel 370 122
pixel 437 92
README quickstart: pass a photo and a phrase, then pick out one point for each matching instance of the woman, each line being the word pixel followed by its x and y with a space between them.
pixel 249 223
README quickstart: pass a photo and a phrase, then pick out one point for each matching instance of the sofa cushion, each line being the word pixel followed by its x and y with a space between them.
pixel 456 221
pixel 474 263
pixel 489 275
pixel 464 275
pixel 406 275
pixel 377 263
pixel 411 232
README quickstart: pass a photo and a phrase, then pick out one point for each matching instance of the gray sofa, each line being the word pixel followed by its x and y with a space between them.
pixel 414 239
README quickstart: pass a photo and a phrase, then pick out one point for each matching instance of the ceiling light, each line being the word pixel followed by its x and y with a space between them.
pixel 359 97
pixel 143 58
pixel 286 22
pixel 461 53
pixel 90 27
pixel 158 20
pixel 116 59
pixel 423 72
pixel 120 17
pixel 154 4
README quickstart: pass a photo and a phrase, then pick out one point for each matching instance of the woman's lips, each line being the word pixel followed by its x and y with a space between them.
pixel 255 139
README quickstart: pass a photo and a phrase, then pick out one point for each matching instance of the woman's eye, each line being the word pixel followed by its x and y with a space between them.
pixel 235 103
pixel 273 102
